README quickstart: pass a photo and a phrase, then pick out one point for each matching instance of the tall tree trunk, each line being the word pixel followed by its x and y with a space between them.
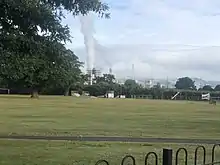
pixel 67 91
pixel 34 94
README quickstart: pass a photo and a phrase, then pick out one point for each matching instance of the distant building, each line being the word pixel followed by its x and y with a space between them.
pixel 110 94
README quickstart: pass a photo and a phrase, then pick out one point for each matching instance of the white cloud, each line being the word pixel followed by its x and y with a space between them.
pixel 159 61
pixel 153 34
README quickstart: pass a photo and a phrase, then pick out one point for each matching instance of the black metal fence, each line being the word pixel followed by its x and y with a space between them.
pixel 168 155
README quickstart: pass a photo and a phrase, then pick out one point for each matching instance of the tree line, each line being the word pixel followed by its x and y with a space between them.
pixel 131 88
pixel 187 83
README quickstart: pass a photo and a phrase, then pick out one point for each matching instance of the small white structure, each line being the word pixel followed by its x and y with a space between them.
pixel 206 96
pixel 122 97
pixel 75 93
pixel 175 95
pixel 110 94
pixel 85 93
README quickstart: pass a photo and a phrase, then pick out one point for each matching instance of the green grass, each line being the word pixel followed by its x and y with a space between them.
pixel 108 117
pixel 100 117
pixel 66 153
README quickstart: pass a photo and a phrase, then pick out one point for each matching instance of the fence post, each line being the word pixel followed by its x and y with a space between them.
pixel 167 156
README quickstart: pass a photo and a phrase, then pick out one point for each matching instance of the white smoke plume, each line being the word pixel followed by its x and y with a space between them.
pixel 87 29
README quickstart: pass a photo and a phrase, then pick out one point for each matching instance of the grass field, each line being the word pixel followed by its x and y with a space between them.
pixel 66 153
pixel 103 117
pixel 98 117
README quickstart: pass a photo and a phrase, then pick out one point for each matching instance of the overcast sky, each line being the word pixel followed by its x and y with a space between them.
pixel 161 38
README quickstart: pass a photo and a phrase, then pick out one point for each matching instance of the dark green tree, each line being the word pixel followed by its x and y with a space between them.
pixel 130 83
pixel 185 83
pixel 217 88
pixel 31 37
pixel 103 84
pixel 68 71
pixel 108 78
pixel 1 83
pixel 97 89
pixel 131 87
pixel 207 88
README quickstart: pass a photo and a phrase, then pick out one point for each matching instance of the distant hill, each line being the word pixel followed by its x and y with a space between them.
pixel 200 82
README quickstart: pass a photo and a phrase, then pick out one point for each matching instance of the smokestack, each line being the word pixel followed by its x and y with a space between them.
pixel 133 73
pixel 110 70
pixel 87 29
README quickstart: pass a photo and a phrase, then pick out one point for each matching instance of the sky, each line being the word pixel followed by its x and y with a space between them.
pixel 162 38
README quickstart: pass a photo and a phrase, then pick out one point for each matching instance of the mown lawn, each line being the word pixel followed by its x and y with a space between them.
pixel 81 153
pixel 108 117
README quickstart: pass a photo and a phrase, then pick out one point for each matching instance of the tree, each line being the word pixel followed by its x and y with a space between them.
pixel 78 7
pixel 68 71
pixel 130 83
pixel 97 89
pixel 207 88
pixel 108 78
pixel 31 37
pixel 185 83
pixel 131 87
pixel 1 83
pixel 103 84
pixel 217 88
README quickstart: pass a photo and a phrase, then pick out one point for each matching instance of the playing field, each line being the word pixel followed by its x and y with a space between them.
pixel 99 117
pixel 107 117
pixel 78 153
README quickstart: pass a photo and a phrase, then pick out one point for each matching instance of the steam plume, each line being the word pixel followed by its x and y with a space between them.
pixel 87 29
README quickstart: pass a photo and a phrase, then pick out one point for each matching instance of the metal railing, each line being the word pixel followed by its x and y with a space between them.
pixel 167 157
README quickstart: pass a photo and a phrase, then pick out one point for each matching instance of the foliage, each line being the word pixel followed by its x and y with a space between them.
pixel 31 42
pixel 207 88
pixel 68 73
pixel 132 89
pixel 185 83
pixel 217 88
pixel 79 7
pixel 130 83
pixel 108 78
pixel 103 84
pixel 2 83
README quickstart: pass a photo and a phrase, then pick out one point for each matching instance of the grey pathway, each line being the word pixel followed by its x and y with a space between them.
pixel 115 139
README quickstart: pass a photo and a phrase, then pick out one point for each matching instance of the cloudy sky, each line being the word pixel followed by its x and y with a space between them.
pixel 161 38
